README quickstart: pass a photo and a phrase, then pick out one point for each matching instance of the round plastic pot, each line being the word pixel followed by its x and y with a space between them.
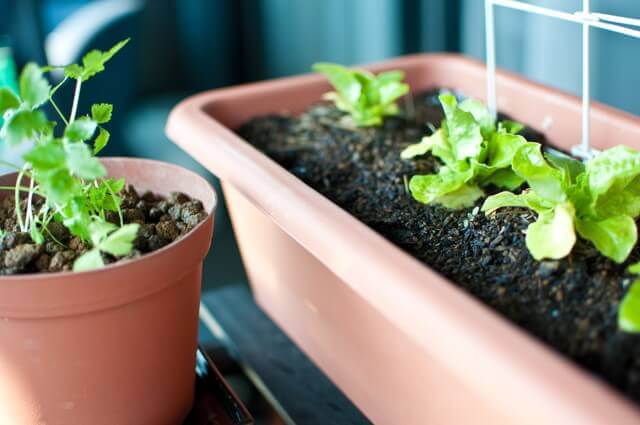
pixel 404 343
pixel 111 346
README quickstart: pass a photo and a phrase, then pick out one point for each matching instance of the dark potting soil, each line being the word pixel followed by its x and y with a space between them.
pixel 161 222
pixel 571 304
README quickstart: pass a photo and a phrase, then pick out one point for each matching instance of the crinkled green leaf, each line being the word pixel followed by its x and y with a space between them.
pixel 81 129
pixel 101 112
pixel 82 163
pixel 629 310
pixel 342 79
pixel 527 199
pixel 90 260
pixel 73 71
pixel 462 130
pixel 510 127
pixel 503 178
pixel 34 88
pixel 24 126
pixel 76 217
pixel 615 167
pixel 435 144
pixel 8 100
pixel 367 98
pixel 503 148
pixel 546 180
pixel 430 188
pixel 120 242
pixel 99 230
pixel 481 115
pixel 93 62
pixel 571 166
pixel 614 236
pixel 463 197
pixel 552 235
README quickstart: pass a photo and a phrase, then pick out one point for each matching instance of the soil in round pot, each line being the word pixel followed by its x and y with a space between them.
pixel 571 304
pixel 162 220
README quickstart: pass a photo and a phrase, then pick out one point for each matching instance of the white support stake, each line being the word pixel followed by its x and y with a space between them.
pixel 584 150
pixel 490 41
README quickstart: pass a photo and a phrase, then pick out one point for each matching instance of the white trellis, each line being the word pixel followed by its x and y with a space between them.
pixel 584 17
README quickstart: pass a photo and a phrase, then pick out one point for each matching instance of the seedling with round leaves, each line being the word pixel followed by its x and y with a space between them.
pixel 61 164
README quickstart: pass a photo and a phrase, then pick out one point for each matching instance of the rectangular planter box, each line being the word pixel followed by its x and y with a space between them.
pixel 404 343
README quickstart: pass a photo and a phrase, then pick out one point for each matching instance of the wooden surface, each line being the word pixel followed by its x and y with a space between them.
pixel 298 391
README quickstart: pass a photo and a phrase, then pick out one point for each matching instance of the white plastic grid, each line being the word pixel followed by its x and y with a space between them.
pixel 585 17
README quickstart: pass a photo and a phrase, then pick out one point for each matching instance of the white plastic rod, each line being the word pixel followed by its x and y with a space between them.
pixel 586 95
pixel 616 19
pixel 490 42
pixel 593 20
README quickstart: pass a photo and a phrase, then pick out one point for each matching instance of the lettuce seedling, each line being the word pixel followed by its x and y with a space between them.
pixel 366 97
pixel 475 153
pixel 629 309
pixel 61 165
pixel 599 200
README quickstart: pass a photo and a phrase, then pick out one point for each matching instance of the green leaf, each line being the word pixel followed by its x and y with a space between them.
pixel 504 178
pixel 527 199
pixel 73 71
pixel 634 268
pixel 546 180
pixel 101 112
pixel 435 144
pixel 101 141
pixel 59 186
pixel 120 242
pixel 75 216
pixel 462 130
pixel 614 237
pixel 434 188
pixel 481 115
pixel 552 235
pixel 613 168
pixel 342 79
pixel 34 88
pixel 8 100
pixel 46 157
pixel 510 127
pixel 90 260
pixel 629 310
pixel 571 166
pixel 80 130
pixel 503 148
pixel 81 163
pixel 24 126
pixel 99 230
pixel 94 61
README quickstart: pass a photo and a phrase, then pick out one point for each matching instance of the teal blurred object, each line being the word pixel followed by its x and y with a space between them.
pixel 8 74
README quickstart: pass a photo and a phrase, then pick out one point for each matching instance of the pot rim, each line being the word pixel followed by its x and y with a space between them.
pixel 121 264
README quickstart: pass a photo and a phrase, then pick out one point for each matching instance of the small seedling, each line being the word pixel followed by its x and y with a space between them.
pixel 629 309
pixel 599 199
pixel 61 165
pixel 475 153
pixel 366 97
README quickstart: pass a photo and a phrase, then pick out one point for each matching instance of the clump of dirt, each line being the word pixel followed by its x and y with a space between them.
pixel 571 304
pixel 161 220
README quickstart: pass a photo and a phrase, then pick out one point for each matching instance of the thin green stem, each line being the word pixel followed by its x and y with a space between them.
pixel 20 188
pixel 53 103
pixel 115 202
pixel 76 98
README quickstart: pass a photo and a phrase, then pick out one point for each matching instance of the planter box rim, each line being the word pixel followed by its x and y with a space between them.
pixel 397 285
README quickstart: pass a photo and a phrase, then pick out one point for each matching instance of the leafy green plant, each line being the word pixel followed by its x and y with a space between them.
pixel 599 199
pixel 475 151
pixel 366 97
pixel 629 308
pixel 61 165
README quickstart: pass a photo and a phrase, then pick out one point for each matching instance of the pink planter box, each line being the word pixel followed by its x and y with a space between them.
pixel 404 343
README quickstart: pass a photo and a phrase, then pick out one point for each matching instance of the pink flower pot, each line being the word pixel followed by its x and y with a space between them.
pixel 404 343
pixel 110 346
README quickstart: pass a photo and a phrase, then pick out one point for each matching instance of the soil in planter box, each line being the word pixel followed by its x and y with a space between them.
pixel 571 304
pixel 161 222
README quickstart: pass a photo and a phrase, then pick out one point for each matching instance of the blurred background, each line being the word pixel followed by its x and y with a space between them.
pixel 180 47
